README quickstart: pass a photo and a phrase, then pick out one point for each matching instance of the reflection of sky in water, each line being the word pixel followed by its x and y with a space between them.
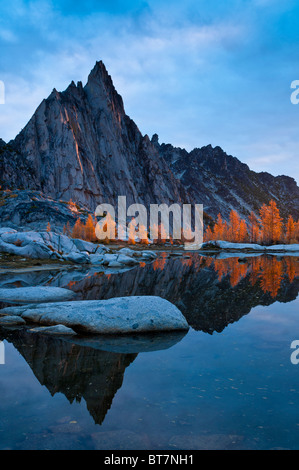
pixel 237 389
pixel 232 389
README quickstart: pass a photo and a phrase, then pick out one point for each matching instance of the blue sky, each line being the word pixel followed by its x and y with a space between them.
pixel 196 72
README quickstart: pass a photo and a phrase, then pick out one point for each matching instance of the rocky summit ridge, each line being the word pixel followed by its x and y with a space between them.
pixel 81 145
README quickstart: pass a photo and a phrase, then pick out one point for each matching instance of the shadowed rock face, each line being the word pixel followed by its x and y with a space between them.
pixel 81 145
pixel 25 208
pixel 77 372
pixel 221 182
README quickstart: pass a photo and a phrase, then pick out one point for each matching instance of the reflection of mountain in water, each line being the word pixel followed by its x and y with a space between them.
pixel 85 367
pixel 77 372
pixel 211 293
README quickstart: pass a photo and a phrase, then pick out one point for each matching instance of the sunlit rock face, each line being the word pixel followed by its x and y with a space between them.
pixel 81 145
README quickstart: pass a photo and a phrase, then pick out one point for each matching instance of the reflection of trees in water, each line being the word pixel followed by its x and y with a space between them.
pixel 210 292
pixel 77 372
pixel 269 270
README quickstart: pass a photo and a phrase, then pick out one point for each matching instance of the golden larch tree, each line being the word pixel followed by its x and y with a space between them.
pixel 208 235
pixel 271 223
pixel 234 226
pixel 290 230
pixel 90 234
pixel 254 229
pixel 220 228
pixel 78 229
pixel 243 232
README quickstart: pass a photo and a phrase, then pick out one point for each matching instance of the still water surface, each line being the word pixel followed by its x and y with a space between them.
pixel 226 384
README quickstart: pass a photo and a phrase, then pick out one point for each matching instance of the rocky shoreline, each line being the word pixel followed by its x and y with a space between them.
pixel 56 247
pixel 249 247
pixel 52 246
pixel 56 311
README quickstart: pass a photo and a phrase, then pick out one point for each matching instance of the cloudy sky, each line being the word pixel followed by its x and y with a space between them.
pixel 196 72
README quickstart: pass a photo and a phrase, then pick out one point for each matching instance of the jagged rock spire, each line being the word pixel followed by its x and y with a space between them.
pixel 101 91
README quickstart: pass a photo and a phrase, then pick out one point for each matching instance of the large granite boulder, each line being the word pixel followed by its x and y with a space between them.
pixel 42 245
pixel 83 245
pixel 11 320
pixel 37 294
pixel 120 315
pixel 53 330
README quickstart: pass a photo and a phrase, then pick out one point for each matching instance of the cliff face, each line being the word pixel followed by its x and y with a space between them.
pixel 81 145
pixel 221 182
